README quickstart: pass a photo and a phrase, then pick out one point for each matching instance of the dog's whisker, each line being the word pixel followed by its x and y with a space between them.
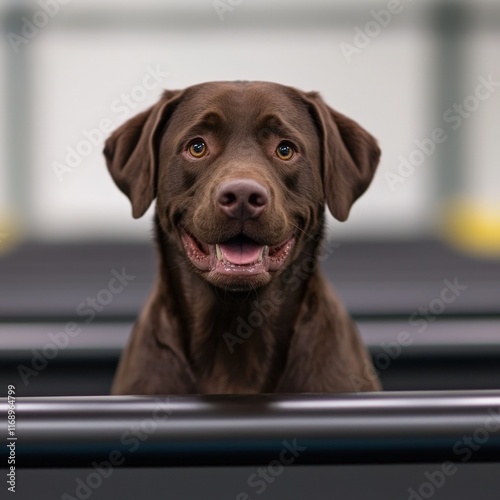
pixel 311 237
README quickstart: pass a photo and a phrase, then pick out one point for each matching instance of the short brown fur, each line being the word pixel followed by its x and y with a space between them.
pixel 189 337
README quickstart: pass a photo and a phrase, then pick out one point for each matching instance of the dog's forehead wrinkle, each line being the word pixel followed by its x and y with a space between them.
pixel 246 100
pixel 212 116
pixel 235 111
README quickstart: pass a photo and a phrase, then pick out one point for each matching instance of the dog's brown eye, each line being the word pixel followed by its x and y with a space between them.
pixel 197 148
pixel 284 151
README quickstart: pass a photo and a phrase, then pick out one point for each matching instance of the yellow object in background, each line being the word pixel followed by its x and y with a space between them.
pixel 10 233
pixel 473 227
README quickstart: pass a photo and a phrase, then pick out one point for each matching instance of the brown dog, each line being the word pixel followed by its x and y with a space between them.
pixel 241 172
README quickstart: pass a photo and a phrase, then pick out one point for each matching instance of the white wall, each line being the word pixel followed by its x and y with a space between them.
pixel 389 88
pixel 482 128
pixel 3 125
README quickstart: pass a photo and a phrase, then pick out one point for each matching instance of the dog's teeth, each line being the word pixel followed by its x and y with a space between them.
pixel 259 258
pixel 261 255
pixel 218 251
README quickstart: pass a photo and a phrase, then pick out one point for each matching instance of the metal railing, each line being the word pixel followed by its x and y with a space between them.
pixel 381 428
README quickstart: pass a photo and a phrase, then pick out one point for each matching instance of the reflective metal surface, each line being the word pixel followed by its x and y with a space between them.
pixel 256 429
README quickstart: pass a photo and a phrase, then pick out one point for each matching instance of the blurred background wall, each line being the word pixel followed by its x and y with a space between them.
pixel 72 67
pixel 422 76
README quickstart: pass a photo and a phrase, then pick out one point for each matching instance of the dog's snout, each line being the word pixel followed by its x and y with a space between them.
pixel 242 198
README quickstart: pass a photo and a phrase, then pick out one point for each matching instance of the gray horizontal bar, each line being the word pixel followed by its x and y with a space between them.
pixel 96 337
pixel 205 16
pixel 420 427
pixel 432 332
pixel 111 338
pixel 276 15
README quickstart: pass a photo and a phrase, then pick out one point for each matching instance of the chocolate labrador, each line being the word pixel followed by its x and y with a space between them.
pixel 241 173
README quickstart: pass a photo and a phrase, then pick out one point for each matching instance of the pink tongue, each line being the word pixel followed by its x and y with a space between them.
pixel 240 253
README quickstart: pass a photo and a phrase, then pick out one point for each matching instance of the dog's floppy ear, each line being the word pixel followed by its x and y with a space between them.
pixel 132 152
pixel 350 157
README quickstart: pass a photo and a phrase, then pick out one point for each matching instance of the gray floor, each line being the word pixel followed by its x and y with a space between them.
pixel 382 284
pixel 390 482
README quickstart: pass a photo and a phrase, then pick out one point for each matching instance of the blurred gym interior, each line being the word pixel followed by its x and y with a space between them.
pixel 417 264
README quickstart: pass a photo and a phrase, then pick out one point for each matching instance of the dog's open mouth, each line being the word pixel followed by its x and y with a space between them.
pixel 238 256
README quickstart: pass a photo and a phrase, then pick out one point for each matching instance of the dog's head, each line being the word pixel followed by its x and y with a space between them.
pixel 241 172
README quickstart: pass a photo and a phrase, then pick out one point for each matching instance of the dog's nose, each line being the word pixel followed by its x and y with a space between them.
pixel 242 198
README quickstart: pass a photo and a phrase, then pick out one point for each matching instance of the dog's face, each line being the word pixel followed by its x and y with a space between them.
pixel 241 172
pixel 239 180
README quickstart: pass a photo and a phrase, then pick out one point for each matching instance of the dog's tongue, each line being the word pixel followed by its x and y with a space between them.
pixel 240 252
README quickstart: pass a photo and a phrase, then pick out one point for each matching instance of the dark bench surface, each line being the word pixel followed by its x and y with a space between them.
pixel 382 284
pixel 383 279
